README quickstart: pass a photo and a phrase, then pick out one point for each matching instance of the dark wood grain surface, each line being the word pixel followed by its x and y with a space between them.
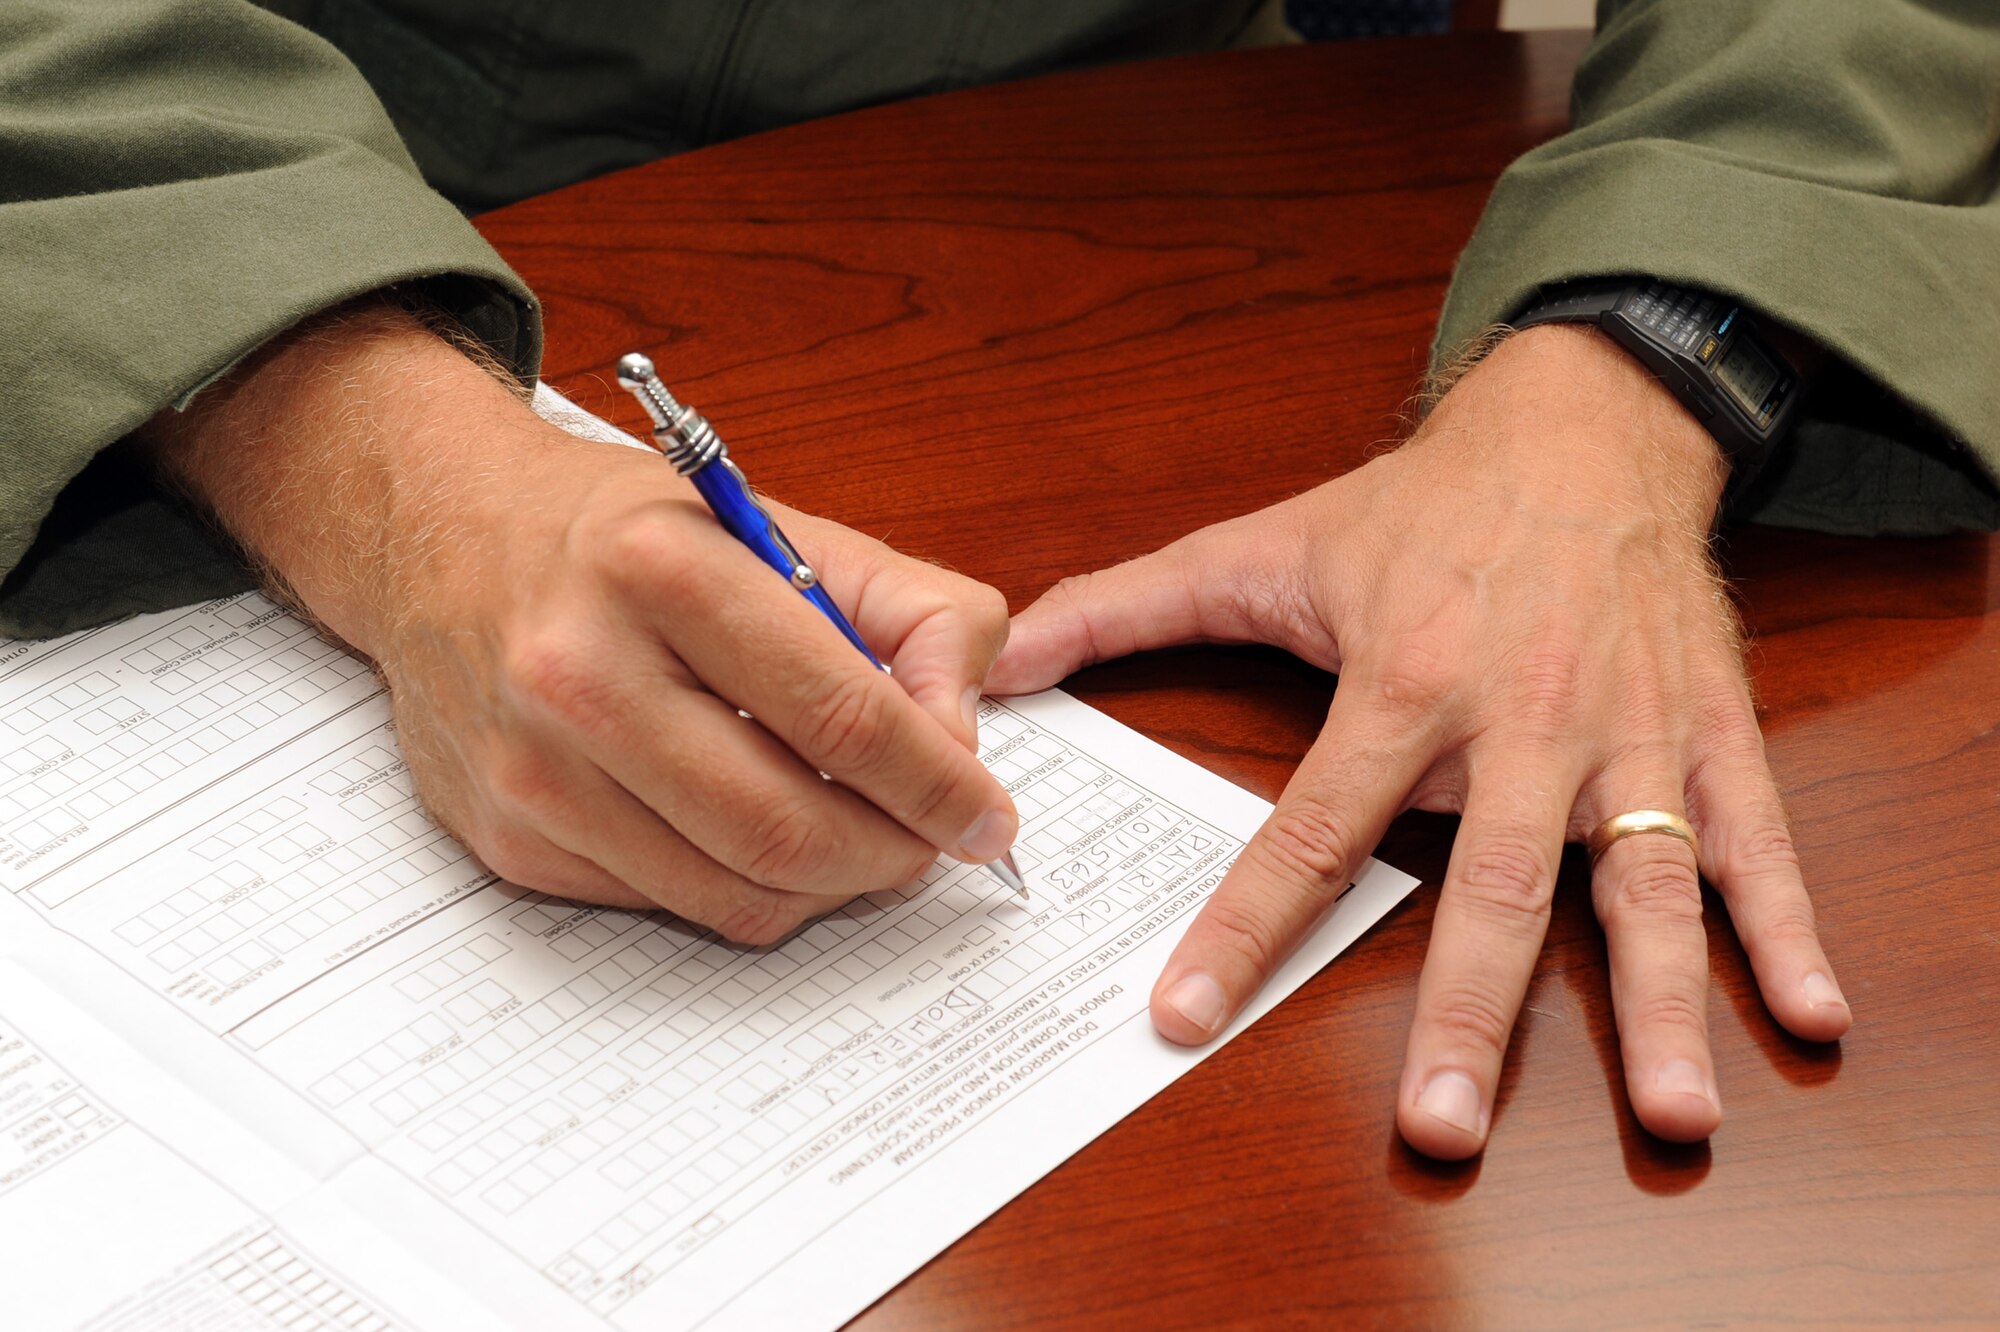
pixel 1032 329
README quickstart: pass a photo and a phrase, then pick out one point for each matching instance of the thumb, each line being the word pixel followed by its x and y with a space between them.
pixel 1198 589
pixel 943 660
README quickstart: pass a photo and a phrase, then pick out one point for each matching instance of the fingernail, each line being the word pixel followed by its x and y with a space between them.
pixel 1451 1096
pixel 988 838
pixel 1199 999
pixel 1683 1077
pixel 968 708
pixel 1821 992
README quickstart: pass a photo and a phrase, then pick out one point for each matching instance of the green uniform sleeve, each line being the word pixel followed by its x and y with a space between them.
pixel 1830 164
pixel 179 181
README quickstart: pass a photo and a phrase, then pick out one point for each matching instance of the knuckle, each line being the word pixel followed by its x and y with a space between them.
pixel 513 853
pixel 1073 591
pixel 1762 846
pixel 522 785
pixel 1470 1018
pixel 551 673
pixel 1789 920
pixel 760 920
pixel 909 869
pixel 1075 596
pixel 788 845
pixel 986 608
pixel 1416 678
pixel 1548 677
pixel 1670 1007
pixel 1309 844
pixel 1071 596
pixel 1657 881
pixel 1508 873
pixel 845 725
pixel 1245 933
pixel 636 549
pixel 1723 710
pixel 1648 708
pixel 1264 601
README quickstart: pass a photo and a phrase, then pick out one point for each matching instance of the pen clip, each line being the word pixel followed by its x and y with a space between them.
pixel 801 574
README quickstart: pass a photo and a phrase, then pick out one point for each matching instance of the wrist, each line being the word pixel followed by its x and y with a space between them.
pixel 1604 424
pixel 331 452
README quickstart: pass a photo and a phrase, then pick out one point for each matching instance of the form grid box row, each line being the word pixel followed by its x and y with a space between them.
pixel 524 1028
pixel 286 1290
pixel 59 702
pixel 253 824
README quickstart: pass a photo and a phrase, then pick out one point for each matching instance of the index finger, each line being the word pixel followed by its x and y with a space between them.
pixel 939 630
pixel 755 642
pixel 1334 810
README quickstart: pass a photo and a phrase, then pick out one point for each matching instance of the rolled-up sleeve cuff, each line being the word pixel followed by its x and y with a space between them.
pixel 147 295
pixel 1906 292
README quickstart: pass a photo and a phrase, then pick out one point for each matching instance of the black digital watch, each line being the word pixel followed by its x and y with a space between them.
pixel 1708 350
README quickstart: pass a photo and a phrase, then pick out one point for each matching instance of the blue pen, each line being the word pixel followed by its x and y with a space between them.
pixel 686 439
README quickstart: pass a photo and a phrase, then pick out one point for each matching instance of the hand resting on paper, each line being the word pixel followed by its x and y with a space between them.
pixel 567 636
pixel 1528 632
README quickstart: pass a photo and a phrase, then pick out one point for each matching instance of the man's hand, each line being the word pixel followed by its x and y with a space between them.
pixel 567 635
pixel 1529 632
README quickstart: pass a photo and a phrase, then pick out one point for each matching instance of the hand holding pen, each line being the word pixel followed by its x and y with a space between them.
pixel 686 439
pixel 568 635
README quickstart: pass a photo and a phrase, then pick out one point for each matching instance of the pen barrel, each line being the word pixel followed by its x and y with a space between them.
pixel 817 595
pixel 741 514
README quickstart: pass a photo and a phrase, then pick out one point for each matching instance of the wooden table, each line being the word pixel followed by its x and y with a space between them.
pixel 989 327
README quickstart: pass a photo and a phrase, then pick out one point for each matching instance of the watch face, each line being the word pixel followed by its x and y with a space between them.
pixel 1749 376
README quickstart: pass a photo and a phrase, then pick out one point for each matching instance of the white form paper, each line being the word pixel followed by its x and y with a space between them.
pixel 593 1118
pixel 129 1205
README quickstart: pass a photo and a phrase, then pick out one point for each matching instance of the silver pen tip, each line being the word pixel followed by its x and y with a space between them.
pixel 1005 870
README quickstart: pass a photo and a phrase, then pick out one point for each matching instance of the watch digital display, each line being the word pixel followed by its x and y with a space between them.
pixel 1748 375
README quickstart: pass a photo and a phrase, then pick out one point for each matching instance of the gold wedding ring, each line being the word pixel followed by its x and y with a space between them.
pixel 1621 826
